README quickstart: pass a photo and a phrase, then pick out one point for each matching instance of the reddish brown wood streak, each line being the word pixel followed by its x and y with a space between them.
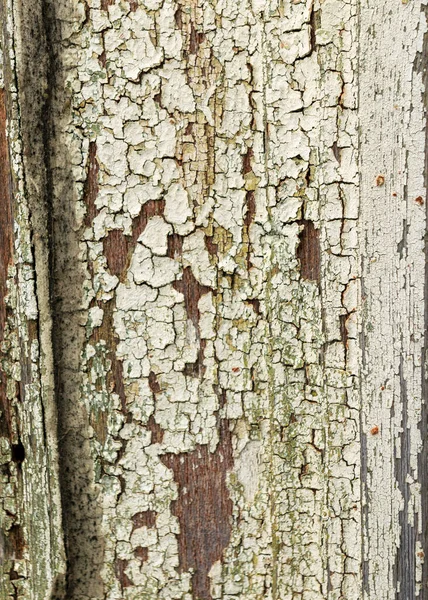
pixel 203 508
pixel 120 567
pixel 118 247
pixel 115 247
pixel 102 59
pixel 195 39
pixel 144 519
pixel 153 383
pixel 308 252
pixel 142 553
pixel 250 203
pixel 155 428
pixel 90 191
pixel 192 291
pixel 178 16
pixel 106 332
pixel 17 541
pixel 343 330
pixel 211 246
pixel 246 161
pixel 6 249
pixel 255 303
pixel 106 3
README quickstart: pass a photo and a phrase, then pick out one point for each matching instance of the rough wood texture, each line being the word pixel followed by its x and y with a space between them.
pixel 32 561
pixel 393 233
pixel 228 213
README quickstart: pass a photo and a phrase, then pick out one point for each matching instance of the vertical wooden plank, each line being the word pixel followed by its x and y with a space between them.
pixel 30 518
pixel 393 230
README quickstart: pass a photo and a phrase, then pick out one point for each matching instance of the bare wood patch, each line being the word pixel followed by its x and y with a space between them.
pixel 118 247
pixel 192 291
pixel 142 553
pixel 16 541
pixel 246 161
pixel 106 3
pixel 90 191
pixel 116 251
pixel 195 39
pixel 155 429
pixel 120 567
pixel 343 330
pixel 144 519
pixel 308 252
pixel 203 508
pixel 106 332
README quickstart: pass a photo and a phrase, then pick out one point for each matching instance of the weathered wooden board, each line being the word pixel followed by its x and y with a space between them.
pixel 223 206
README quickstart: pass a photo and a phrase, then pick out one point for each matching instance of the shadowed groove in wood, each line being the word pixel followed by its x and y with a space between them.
pixel 81 509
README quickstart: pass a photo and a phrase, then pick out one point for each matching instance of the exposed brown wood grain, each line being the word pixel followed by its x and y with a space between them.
pixel 309 253
pixel 116 251
pixel 146 518
pixel 120 567
pixel 155 429
pixel 246 161
pixel 195 39
pixel 16 541
pixel 90 191
pixel 142 553
pixel 203 508
pixel 343 330
pixel 118 247
pixel 250 205
pixel 106 332
pixel 192 291
pixel 211 246
pixel 153 383
pixel 106 3
pixel 175 246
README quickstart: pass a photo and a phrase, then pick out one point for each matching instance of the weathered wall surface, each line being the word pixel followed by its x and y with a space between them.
pixel 227 206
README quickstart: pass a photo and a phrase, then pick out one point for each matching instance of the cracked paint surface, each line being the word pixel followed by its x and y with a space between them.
pixel 215 158
pixel 238 364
